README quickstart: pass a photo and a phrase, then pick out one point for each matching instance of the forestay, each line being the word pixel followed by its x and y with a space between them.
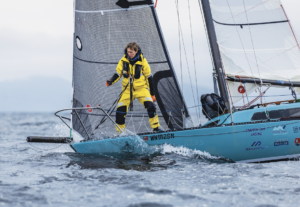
pixel 256 40
pixel 102 30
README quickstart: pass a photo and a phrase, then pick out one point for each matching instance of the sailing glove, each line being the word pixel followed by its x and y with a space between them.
pixel 113 79
pixel 108 83
pixel 153 98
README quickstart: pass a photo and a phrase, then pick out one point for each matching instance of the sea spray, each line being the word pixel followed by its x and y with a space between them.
pixel 193 153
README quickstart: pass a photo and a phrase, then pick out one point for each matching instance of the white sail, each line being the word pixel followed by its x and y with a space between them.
pixel 256 40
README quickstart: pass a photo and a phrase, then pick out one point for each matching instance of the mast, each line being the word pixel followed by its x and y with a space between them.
pixel 215 51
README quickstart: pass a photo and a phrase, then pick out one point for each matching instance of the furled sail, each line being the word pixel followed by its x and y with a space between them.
pixel 256 41
pixel 102 30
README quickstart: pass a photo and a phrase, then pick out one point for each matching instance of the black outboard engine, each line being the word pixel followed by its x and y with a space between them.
pixel 212 105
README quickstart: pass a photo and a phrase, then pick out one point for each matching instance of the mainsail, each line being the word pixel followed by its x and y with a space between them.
pixel 255 40
pixel 102 30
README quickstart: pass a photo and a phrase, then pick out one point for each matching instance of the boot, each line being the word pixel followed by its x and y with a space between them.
pixel 157 129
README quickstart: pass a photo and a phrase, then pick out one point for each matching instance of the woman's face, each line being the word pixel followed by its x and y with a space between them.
pixel 131 53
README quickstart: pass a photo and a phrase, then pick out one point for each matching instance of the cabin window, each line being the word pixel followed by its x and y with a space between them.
pixel 259 116
pixel 276 114
pixel 295 112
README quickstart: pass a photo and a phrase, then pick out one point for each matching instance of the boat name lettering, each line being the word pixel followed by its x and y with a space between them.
pixel 162 136
pixel 255 129
pixel 256 134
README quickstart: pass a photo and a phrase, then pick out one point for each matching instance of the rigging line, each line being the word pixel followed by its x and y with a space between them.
pixel 243 49
pixel 111 108
pixel 176 122
pixel 254 53
pixel 198 112
pixel 108 35
pixel 179 109
pixel 104 95
pixel 168 124
pixel 37 148
pixel 211 118
pixel 239 35
pixel 180 29
pixel 207 39
pixel 261 100
pixel 141 122
pixel 176 3
pixel 290 25
pixel 246 92
pixel 255 99
pixel 276 55
pixel 226 85
pixel 132 124
pixel 252 45
pixel 146 126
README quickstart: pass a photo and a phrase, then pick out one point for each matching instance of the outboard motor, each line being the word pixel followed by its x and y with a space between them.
pixel 212 105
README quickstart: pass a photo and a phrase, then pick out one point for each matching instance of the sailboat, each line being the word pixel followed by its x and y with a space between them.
pixel 252 44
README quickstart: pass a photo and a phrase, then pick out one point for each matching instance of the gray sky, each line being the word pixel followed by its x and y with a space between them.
pixel 36 35
pixel 36 39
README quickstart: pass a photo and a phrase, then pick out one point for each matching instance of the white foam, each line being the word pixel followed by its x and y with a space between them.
pixel 167 148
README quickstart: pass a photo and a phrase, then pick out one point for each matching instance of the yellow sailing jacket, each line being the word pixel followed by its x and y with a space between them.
pixel 139 71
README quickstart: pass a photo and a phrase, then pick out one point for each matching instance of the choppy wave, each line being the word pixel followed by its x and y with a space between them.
pixel 167 176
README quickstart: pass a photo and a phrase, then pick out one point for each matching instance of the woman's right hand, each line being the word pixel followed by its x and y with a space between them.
pixel 108 83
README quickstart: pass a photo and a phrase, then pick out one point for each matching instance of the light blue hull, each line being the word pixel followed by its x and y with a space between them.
pixel 248 143
pixel 128 145
pixel 243 142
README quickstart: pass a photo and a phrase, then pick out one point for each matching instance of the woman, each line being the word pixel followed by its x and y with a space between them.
pixel 137 84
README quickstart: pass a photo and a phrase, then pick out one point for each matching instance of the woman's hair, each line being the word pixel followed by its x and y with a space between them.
pixel 132 46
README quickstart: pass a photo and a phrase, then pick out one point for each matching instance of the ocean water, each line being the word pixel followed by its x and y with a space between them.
pixel 36 174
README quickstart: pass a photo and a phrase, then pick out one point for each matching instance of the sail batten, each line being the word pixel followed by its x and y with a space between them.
pixel 250 24
pixel 112 10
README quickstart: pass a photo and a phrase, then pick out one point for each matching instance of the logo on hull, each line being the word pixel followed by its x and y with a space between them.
pixel 278 143
pixel 297 142
pixel 256 146
pixel 280 130
pixel 296 129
